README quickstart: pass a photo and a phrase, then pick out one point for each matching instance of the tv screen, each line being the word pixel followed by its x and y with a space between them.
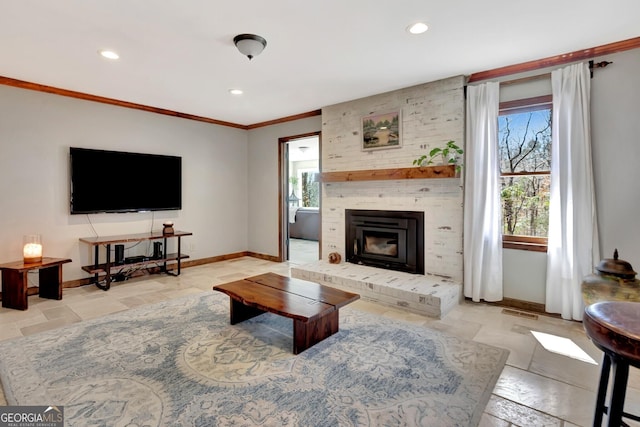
pixel 116 181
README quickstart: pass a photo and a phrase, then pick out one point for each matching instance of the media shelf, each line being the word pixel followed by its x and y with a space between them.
pixel 109 268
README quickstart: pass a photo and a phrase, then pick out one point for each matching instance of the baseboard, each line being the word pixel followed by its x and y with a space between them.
pixel 209 260
pixel 531 307
pixel 263 256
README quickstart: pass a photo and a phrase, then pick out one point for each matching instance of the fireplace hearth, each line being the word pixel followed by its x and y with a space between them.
pixel 387 239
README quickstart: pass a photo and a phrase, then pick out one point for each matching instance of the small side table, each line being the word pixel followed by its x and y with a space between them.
pixel 14 281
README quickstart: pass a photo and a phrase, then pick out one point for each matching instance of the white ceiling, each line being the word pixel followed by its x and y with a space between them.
pixel 179 54
pixel 311 152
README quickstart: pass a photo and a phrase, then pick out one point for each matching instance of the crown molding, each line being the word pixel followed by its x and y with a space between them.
pixel 578 55
pixel 7 81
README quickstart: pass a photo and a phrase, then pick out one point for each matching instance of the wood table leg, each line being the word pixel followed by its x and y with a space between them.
pixel 241 312
pixel 307 334
pixel 14 289
pixel 50 282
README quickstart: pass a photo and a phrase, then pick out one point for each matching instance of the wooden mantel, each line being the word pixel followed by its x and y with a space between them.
pixel 426 172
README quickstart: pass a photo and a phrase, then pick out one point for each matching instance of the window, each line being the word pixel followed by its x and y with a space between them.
pixel 524 139
pixel 310 187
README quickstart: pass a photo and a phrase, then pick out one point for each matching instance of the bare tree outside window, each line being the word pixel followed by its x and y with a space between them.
pixel 524 135
pixel 310 190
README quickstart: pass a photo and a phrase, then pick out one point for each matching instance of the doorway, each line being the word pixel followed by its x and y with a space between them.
pixel 300 225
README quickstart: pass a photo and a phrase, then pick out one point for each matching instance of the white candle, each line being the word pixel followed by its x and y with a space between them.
pixel 32 249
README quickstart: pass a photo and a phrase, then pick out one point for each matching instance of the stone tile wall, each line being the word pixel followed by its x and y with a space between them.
pixel 431 114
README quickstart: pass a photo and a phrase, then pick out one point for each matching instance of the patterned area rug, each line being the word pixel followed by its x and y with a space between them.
pixel 180 363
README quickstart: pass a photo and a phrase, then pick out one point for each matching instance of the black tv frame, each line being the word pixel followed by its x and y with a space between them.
pixel 107 181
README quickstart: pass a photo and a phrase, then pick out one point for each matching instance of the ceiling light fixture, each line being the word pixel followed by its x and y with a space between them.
pixel 303 148
pixel 417 28
pixel 109 54
pixel 235 91
pixel 249 45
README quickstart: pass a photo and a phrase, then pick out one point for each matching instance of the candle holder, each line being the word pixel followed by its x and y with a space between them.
pixel 32 249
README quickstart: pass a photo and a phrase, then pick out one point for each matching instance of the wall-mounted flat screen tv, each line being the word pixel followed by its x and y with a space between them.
pixel 117 181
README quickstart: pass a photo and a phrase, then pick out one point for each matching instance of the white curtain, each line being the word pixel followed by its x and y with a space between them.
pixel 573 248
pixel 482 209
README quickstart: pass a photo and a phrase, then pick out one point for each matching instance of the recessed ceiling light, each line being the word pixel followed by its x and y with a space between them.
pixel 109 54
pixel 235 91
pixel 417 28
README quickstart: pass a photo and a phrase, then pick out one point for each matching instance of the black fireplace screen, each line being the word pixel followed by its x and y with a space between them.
pixel 386 239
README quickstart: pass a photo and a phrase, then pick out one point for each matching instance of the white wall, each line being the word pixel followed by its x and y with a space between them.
pixel 263 181
pixel 36 131
pixel 524 275
pixel 615 126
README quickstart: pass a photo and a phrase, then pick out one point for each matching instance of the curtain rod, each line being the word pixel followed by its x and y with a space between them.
pixel 600 64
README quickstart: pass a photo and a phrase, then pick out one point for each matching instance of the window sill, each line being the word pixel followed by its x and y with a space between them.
pixel 525 246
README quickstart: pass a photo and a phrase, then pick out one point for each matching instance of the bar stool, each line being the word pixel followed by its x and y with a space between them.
pixel 614 327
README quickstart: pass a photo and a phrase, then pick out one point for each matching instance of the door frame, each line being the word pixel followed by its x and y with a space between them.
pixel 283 187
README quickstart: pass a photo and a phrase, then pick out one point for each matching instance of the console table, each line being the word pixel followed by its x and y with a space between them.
pixel 110 268
pixel 15 281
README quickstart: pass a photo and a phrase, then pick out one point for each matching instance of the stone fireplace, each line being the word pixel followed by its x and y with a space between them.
pixel 431 114
pixel 392 240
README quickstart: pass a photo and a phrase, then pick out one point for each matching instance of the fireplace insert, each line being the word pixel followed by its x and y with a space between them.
pixel 387 239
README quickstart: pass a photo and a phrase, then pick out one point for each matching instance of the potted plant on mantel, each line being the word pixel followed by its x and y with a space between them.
pixel 450 154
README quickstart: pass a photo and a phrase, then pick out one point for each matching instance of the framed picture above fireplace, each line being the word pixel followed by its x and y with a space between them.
pixel 382 131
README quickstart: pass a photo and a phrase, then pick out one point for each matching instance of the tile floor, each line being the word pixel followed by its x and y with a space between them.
pixel 303 251
pixel 536 388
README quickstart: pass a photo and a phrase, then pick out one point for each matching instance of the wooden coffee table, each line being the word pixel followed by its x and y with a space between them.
pixel 312 306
